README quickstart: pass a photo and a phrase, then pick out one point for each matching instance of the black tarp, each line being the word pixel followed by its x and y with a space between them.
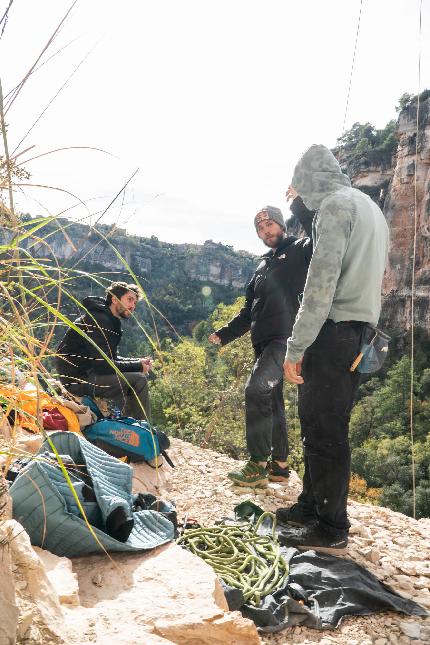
pixel 321 590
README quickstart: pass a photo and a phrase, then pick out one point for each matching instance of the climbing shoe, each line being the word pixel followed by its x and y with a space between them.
pixel 314 538
pixel 276 473
pixel 295 515
pixel 251 474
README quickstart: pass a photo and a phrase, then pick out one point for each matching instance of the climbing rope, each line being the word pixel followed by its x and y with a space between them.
pixel 414 254
pixel 352 67
pixel 240 557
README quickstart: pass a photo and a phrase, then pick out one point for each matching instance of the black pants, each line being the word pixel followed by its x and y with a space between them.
pixel 110 386
pixel 266 426
pixel 325 403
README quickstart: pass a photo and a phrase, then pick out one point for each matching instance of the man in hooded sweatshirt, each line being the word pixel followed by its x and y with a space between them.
pixel 342 294
pixel 82 366
pixel 271 304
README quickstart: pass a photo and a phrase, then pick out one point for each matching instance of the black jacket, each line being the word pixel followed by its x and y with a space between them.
pixel 76 356
pixel 272 295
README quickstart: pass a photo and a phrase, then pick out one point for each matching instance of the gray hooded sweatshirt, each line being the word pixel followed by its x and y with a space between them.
pixel 350 237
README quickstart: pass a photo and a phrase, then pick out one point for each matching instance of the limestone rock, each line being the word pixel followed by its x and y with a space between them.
pixel 370 554
pixel 39 593
pixel 413 630
pixel 9 610
pixel 151 480
pixel 61 576
pixel 24 624
pixel 171 593
pixel 403 582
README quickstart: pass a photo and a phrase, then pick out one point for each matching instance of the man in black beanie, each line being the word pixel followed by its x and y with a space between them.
pixel 271 304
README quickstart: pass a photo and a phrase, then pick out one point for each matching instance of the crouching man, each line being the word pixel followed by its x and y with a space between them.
pixel 271 304
pixel 83 369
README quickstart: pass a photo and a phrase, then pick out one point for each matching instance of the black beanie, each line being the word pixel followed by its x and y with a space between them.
pixel 270 212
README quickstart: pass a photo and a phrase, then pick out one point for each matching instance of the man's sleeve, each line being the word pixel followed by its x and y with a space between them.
pixel 95 329
pixel 241 323
pixel 333 229
pixel 128 364
pixel 303 214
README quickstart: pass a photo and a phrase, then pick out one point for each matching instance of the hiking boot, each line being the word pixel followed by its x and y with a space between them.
pixel 251 474
pixel 314 538
pixel 295 515
pixel 276 473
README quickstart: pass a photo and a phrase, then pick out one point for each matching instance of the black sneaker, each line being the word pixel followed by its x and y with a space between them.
pixel 295 515
pixel 314 538
pixel 276 473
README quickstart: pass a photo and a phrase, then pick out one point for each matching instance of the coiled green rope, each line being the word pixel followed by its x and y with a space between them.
pixel 243 559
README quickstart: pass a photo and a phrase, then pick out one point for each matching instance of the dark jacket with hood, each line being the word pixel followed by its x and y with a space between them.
pixel 272 295
pixel 350 238
pixel 76 356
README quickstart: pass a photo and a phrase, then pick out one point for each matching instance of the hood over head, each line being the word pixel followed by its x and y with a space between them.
pixel 316 175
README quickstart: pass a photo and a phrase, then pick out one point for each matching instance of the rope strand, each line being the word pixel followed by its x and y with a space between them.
pixel 352 67
pixel 414 254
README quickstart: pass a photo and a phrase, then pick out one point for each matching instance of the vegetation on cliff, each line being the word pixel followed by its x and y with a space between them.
pixel 366 145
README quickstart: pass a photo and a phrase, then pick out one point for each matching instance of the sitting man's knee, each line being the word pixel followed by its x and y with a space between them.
pixel 140 382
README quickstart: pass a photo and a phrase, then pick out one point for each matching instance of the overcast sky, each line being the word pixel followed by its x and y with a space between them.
pixel 213 101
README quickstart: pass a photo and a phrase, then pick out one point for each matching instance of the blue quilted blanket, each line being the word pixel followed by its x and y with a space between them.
pixel 45 506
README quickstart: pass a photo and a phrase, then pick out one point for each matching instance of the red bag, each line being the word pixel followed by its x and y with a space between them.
pixel 53 420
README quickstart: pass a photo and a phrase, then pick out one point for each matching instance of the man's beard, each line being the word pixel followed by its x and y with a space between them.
pixel 124 313
pixel 275 241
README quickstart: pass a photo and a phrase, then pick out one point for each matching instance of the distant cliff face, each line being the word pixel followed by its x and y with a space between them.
pixel 79 244
pixel 184 282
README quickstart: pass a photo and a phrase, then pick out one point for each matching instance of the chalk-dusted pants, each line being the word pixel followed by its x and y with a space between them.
pixel 266 425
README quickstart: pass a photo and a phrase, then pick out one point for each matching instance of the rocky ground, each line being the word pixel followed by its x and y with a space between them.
pixel 151 599
pixel 392 546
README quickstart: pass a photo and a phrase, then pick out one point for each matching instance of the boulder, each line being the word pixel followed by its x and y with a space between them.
pixel 40 609
pixel 9 609
pixel 151 479
pixel 169 594
pixel 60 574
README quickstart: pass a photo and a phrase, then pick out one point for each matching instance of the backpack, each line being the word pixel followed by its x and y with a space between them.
pixel 126 437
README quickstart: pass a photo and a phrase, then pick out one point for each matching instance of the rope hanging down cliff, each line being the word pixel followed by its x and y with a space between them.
pixel 414 253
pixel 352 67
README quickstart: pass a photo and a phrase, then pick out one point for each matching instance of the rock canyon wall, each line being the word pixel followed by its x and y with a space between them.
pixel 394 187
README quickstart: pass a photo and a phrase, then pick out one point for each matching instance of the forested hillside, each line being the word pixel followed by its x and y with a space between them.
pixel 183 283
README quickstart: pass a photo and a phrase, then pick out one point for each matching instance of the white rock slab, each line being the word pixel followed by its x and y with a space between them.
pixel 61 576
pixel 168 593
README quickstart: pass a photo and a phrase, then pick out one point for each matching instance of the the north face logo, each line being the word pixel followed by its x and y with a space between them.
pixel 126 436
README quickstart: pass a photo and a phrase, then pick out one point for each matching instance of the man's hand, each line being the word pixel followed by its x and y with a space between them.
pixel 215 339
pixel 292 372
pixel 147 363
pixel 291 193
